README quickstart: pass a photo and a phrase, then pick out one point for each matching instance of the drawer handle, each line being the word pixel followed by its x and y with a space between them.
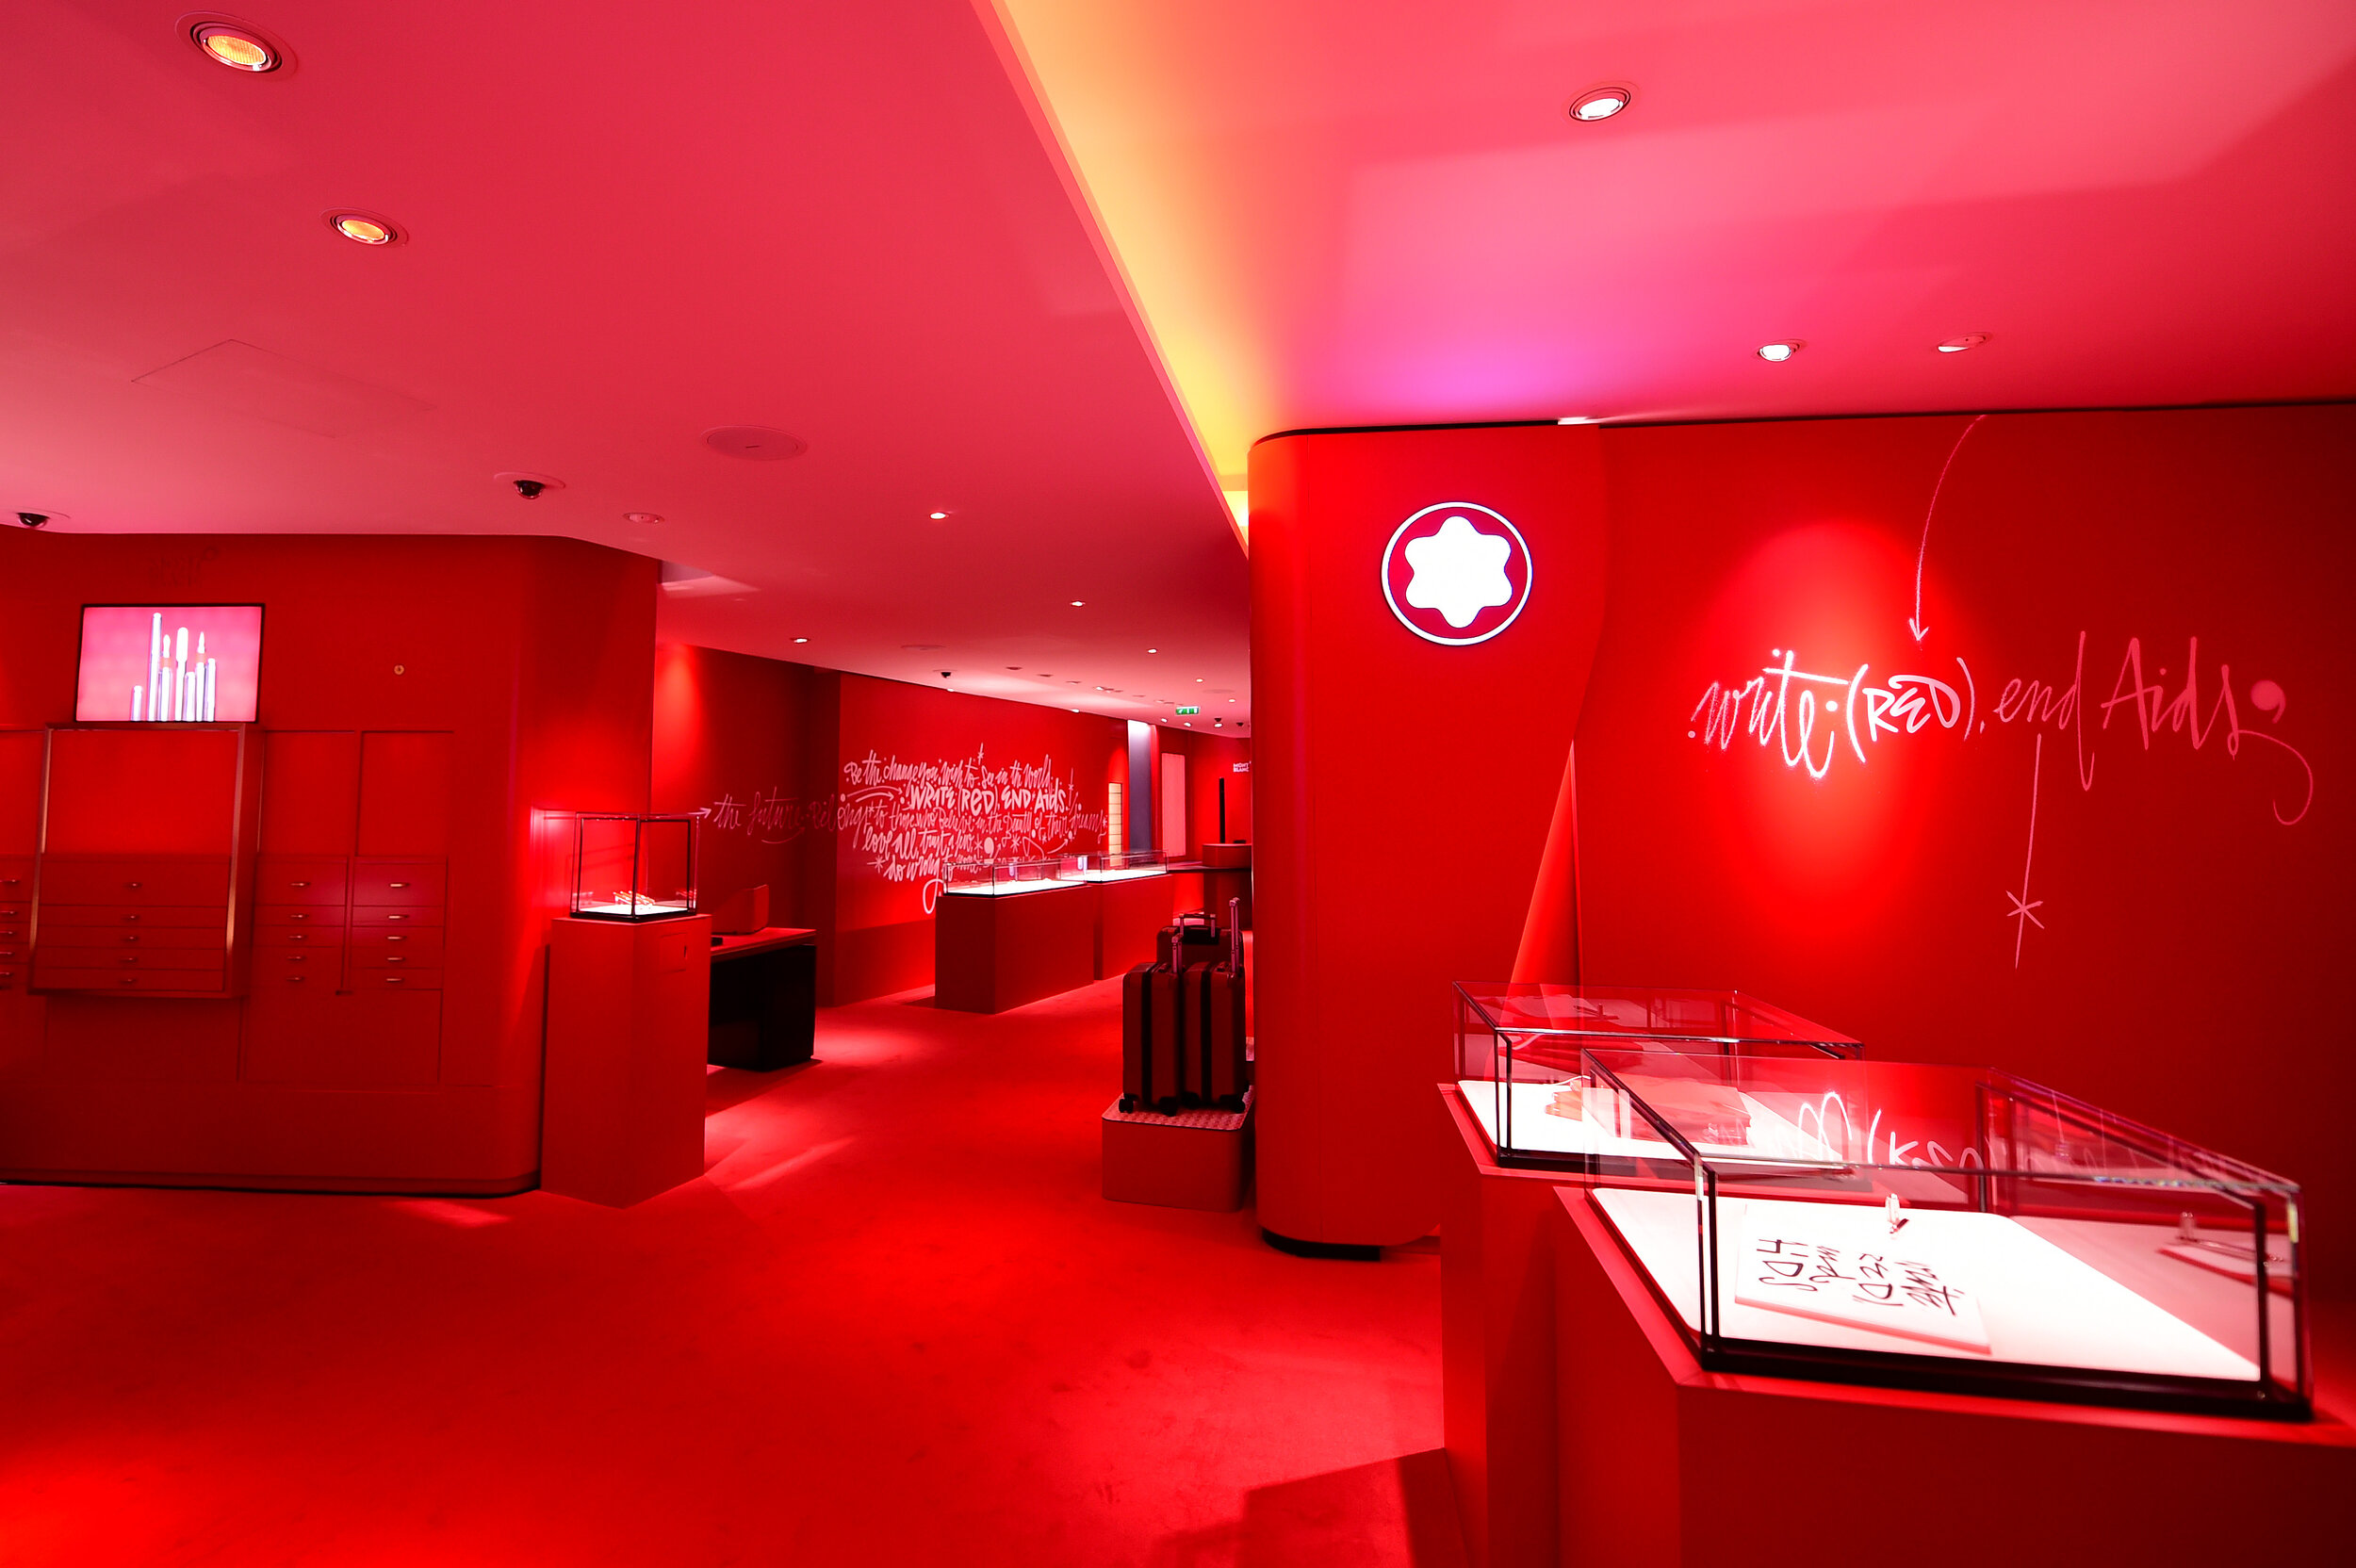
pixel 397 884
pixel 130 980
pixel 132 938
pixel 396 917
pixel 298 917
pixel 294 979
pixel 130 916
pixel 393 979
pixel 397 937
pixel 298 958
pixel 298 884
pixel 396 958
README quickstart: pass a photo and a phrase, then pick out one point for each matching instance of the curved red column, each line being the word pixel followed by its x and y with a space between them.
pixel 1403 793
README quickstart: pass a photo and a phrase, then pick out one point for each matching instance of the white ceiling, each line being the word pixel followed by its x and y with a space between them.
pixel 625 227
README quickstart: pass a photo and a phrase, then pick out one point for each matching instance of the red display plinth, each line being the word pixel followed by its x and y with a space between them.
pixel 1222 883
pixel 1199 1159
pixel 1498 1345
pixel 623 1098
pixel 1130 916
pixel 990 953
pixel 1659 1463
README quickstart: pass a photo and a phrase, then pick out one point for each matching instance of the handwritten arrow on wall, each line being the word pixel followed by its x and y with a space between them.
pixel 1914 622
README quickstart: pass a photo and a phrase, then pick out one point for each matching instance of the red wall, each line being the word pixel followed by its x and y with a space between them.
pixel 1209 759
pixel 2187 894
pixel 418 696
pixel 868 787
pixel 1403 794
pixel 2185 914
pixel 751 742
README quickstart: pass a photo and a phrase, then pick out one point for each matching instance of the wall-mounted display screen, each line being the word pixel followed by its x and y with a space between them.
pixel 170 663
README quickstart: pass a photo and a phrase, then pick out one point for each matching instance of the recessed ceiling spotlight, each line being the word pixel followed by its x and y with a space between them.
pixel 1600 103
pixel 1577 420
pixel 759 443
pixel 801 639
pixel 643 520
pixel 1969 340
pixel 1152 650
pixel 365 228
pixel 1775 353
pixel 1077 604
pixel 936 515
pixel 237 44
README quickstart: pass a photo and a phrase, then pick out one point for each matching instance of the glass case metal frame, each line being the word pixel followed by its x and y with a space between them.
pixel 2119 1197
pixel 1007 876
pixel 634 903
pixel 1529 1033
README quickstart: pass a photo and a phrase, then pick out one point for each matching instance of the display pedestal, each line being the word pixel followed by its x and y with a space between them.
pixel 993 953
pixel 1498 1345
pixel 1661 1463
pixel 764 999
pixel 1130 916
pixel 1227 873
pixel 623 1092
pixel 1199 1159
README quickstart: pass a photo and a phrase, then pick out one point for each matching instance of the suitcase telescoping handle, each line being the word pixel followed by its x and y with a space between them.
pixel 1234 935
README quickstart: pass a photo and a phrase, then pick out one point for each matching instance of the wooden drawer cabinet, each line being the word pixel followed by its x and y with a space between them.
pixel 395 980
pixel 285 917
pixel 199 983
pixel 298 939
pixel 366 919
pixel 135 879
pixel 177 959
pixel 214 916
pixel 412 884
pixel 129 938
pixel 314 883
pixel 422 945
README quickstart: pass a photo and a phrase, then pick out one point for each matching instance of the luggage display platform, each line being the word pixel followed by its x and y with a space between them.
pixel 1195 1159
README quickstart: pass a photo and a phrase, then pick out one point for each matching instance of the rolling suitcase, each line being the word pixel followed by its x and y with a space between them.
pixel 1190 938
pixel 1219 1026
pixel 1137 1037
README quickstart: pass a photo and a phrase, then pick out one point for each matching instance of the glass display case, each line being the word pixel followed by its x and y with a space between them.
pixel 635 866
pixel 999 878
pixel 1945 1227
pixel 1118 865
pixel 1519 1045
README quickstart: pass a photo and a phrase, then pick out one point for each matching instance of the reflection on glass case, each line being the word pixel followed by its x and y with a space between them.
pixel 1944 1227
pixel 635 866
pixel 1518 1045
pixel 998 878
pixel 1117 865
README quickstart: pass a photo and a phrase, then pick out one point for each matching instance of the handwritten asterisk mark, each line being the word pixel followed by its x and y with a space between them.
pixel 2023 912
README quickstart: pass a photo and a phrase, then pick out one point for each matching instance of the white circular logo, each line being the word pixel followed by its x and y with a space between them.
pixel 1456 573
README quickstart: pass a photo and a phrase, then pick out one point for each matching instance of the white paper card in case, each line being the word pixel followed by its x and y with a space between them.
pixel 1848 1265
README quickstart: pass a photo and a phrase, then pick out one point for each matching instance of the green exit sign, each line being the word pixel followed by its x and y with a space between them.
pixel 1189 709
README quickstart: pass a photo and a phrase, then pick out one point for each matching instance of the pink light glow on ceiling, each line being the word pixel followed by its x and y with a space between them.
pixel 1365 212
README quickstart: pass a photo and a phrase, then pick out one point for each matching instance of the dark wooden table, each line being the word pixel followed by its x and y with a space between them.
pixel 764 999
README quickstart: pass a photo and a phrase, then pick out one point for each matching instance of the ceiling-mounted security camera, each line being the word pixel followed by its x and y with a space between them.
pixel 34 519
pixel 530 486
pixel 944 674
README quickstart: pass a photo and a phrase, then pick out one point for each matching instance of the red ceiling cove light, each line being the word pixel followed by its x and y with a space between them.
pixel 1956 345
pixel 235 44
pixel 364 228
pixel 1775 353
pixel 1600 103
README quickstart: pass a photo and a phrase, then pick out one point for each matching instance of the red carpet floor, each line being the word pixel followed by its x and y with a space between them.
pixel 894 1323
